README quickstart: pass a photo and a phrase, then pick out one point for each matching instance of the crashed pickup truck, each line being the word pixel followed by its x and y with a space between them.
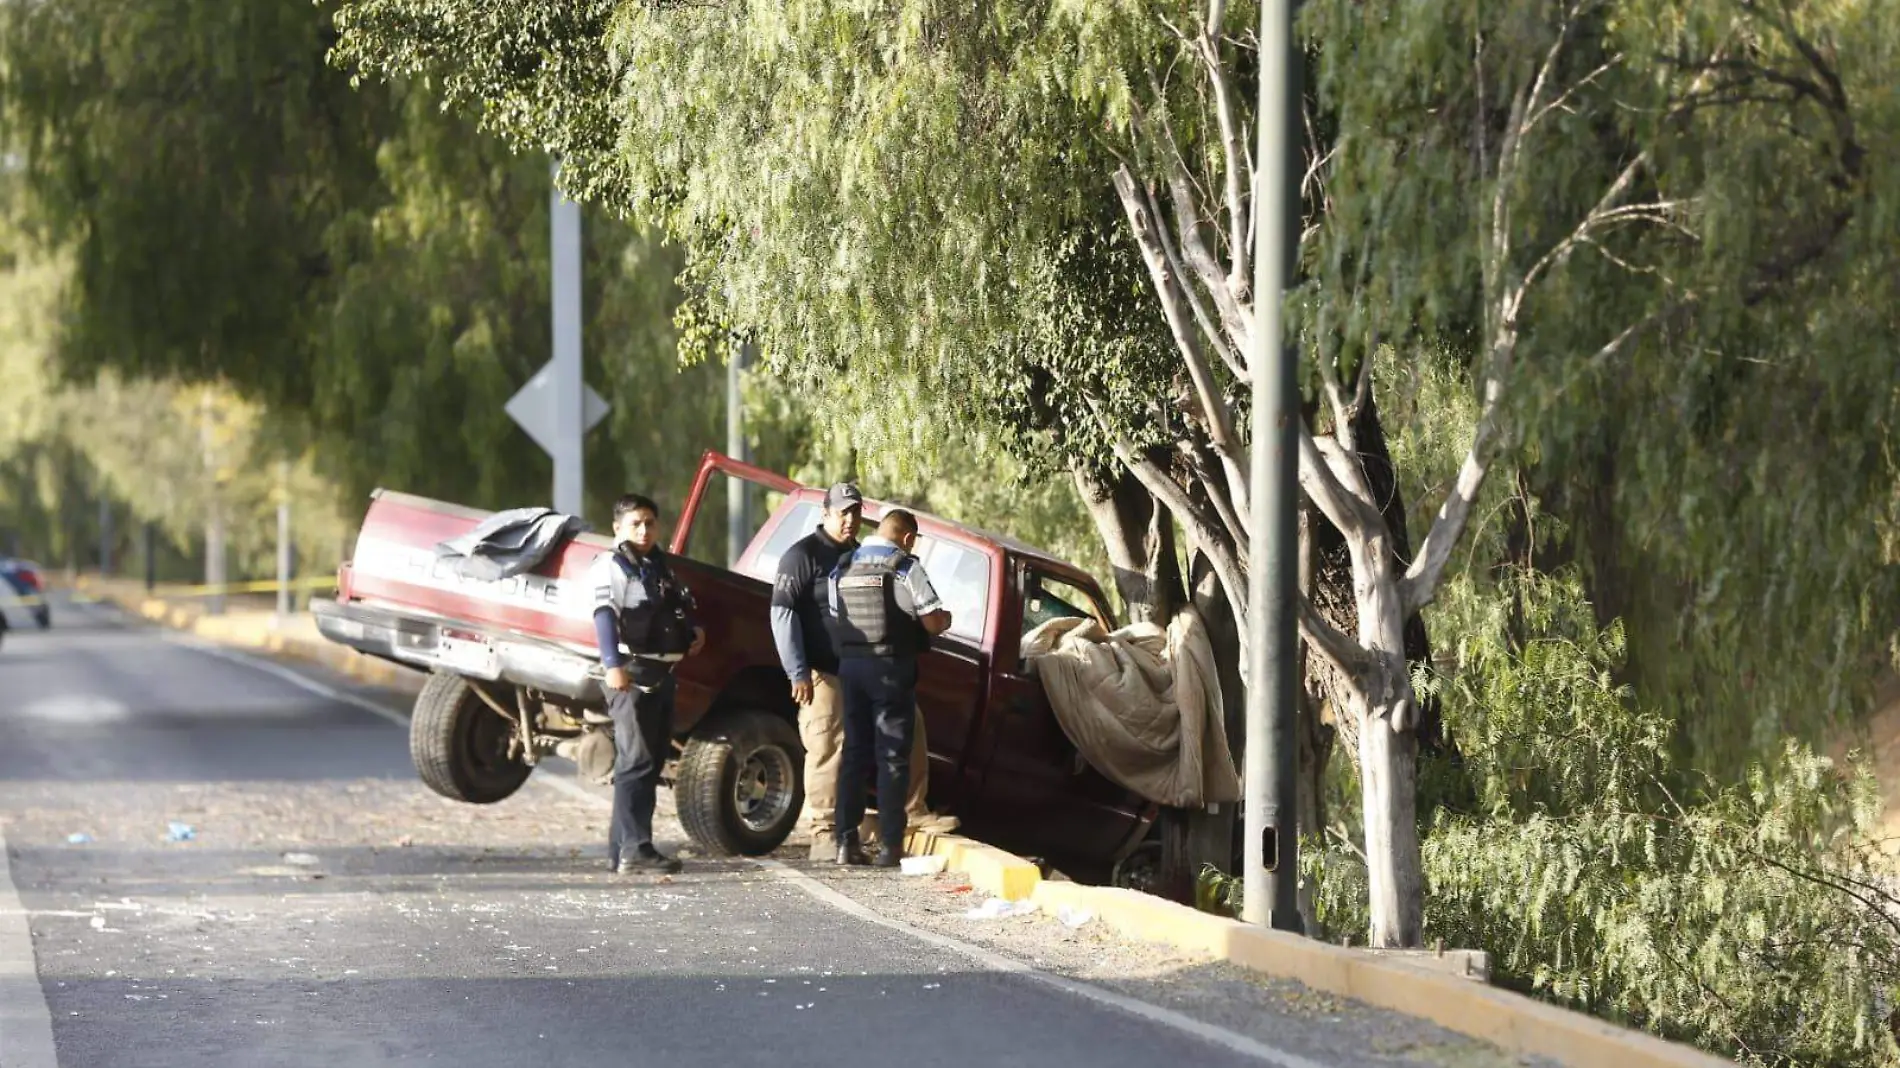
pixel 516 677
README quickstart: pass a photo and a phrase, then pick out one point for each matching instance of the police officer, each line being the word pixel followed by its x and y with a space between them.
pixel 885 613
pixel 801 615
pixel 643 624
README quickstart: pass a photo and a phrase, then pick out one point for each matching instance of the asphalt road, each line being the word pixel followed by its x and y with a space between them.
pixel 464 946
pixel 327 910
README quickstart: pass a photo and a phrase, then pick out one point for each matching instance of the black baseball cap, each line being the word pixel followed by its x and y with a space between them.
pixel 843 495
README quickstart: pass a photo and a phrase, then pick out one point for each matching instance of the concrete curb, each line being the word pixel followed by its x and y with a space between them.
pixel 1517 1024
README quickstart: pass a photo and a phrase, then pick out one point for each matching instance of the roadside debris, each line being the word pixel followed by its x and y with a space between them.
pixel 180 832
pixel 78 838
pixel 1073 917
pixel 302 860
pixel 997 908
pixel 926 865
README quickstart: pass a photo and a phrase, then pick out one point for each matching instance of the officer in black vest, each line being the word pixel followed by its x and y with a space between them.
pixel 885 613
pixel 644 625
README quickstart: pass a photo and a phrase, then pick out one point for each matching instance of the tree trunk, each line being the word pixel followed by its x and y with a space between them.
pixel 1139 536
pixel 1388 758
pixel 1314 736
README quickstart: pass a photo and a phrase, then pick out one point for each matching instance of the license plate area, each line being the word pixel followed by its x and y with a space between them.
pixel 468 655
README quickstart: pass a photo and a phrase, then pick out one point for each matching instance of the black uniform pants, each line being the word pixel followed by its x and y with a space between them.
pixel 643 733
pixel 880 715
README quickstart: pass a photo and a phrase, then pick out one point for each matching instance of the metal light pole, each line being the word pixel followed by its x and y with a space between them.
pixel 1270 888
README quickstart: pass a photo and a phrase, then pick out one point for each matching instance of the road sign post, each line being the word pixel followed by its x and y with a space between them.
pixel 556 408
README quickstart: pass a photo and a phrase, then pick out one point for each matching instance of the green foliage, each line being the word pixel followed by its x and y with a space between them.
pixel 902 191
pixel 371 269
pixel 1756 919
pixel 1724 476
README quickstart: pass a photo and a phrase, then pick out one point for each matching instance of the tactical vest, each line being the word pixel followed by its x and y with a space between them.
pixel 660 625
pixel 870 623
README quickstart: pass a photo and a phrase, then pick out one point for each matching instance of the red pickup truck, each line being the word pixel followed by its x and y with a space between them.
pixel 516 678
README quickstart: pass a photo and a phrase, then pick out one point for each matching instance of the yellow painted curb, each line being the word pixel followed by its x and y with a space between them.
pixel 990 870
pixel 1138 915
pixel 1517 1024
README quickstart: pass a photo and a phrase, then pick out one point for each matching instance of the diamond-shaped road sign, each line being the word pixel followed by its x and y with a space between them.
pixel 532 407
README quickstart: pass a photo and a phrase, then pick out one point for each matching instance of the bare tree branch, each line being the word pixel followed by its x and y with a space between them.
pixel 1220 494
pixel 1221 342
pixel 1346 655
pixel 1142 223
pixel 1187 195
pixel 1235 316
pixel 1564 97
pixel 1239 174
pixel 1420 583
pixel 1201 527
pixel 1352 515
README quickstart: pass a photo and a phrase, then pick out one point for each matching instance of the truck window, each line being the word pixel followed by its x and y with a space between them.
pixel 800 521
pixel 961 576
pixel 1047 597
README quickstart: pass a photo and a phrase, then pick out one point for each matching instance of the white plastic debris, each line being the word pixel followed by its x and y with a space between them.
pixel 78 838
pixel 997 908
pixel 302 860
pixel 930 865
pixel 1074 917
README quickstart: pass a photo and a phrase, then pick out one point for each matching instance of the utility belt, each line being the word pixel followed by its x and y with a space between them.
pixel 650 671
pixel 885 650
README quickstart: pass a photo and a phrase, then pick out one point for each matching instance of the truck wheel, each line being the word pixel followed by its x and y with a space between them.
pixel 740 784
pixel 460 746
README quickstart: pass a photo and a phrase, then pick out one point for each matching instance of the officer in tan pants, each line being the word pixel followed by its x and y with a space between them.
pixel 803 637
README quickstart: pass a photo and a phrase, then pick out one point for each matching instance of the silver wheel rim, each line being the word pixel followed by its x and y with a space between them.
pixel 762 791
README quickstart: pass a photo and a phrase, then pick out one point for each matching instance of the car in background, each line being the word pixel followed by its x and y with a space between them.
pixel 22 578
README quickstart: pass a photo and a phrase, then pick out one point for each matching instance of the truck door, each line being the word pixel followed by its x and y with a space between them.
pixel 950 677
pixel 1039 796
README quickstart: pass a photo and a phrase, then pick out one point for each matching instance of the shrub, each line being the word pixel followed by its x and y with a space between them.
pixel 1756 919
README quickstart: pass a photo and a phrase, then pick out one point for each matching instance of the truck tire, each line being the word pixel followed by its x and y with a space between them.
pixel 741 784
pixel 460 746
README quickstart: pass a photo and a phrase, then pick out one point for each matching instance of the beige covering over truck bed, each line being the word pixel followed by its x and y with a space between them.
pixel 1141 703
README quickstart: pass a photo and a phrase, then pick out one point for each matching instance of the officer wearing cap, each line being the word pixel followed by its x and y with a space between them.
pixel 643 624
pixel 885 612
pixel 801 630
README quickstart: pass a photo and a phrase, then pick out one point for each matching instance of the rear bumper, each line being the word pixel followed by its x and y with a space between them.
pixel 418 641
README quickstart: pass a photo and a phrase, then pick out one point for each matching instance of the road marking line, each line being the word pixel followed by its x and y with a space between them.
pixel 26 1024
pixel 1206 1032
pixel 301 681
pixel 568 786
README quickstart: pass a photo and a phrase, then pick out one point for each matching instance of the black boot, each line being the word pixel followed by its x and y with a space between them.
pixel 850 852
pixel 889 856
pixel 648 861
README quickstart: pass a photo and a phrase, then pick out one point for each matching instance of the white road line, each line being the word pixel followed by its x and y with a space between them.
pixel 297 679
pixel 569 787
pixel 26 1025
pixel 1206 1032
